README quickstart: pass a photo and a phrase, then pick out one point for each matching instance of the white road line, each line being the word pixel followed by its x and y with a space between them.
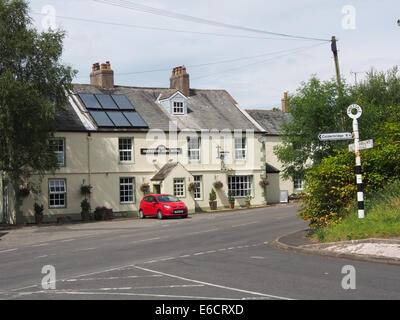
pixel 214 285
pixel 40 245
pixel 68 240
pixel 205 231
pixel 111 278
pixel 85 249
pixel 154 287
pixel 126 294
pixel 244 224
pixel 9 250
pixel 145 240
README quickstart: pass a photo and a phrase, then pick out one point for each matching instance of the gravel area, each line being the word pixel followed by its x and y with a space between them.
pixel 377 249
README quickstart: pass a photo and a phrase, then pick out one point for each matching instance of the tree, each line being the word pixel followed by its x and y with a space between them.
pixel 319 107
pixel 33 84
pixel 315 108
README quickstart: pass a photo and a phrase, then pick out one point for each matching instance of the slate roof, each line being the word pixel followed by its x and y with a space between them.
pixel 68 120
pixel 164 172
pixel 270 120
pixel 271 169
pixel 207 109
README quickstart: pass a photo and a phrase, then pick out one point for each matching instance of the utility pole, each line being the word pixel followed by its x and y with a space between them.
pixel 355 75
pixel 335 56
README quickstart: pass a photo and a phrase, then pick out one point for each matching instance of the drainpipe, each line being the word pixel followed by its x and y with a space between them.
pixel 89 138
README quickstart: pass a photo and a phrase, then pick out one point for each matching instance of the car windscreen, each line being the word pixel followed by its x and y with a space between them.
pixel 167 199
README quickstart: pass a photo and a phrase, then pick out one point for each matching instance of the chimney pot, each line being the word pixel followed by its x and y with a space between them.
pixel 180 80
pixel 102 76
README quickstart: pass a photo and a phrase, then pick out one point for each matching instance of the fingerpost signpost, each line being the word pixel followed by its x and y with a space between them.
pixel 360 194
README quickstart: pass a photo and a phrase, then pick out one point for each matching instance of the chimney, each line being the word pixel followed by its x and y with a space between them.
pixel 180 80
pixel 102 76
pixel 285 107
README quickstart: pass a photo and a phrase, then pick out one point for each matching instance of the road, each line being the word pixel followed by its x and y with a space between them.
pixel 224 255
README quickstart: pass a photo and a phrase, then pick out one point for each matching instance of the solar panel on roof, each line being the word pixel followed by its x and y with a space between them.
pixel 101 118
pixel 89 100
pixel 122 102
pixel 106 101
pixel 118 119
pixel 135 119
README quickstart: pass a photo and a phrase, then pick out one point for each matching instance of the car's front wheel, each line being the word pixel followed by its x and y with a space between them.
pixel 141 214
pixel 159 214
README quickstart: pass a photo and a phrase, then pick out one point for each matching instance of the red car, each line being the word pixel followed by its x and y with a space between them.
pixel 162 205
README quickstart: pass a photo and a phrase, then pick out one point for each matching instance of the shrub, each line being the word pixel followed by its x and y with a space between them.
pixel 213 195
pixel 331 186
pixel 192 187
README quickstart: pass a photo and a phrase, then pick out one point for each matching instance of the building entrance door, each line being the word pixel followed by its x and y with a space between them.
pixel 157 188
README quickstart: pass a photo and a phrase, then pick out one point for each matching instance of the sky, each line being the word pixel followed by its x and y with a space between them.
pixel 255 68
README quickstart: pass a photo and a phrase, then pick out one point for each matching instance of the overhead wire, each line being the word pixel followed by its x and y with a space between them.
pixel 160 12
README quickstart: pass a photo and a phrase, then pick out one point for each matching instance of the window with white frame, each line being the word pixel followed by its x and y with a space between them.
pixel 240 148
pixel 57 193
pixel 194 149
pixel 126 190
pixel 179 187
pixel 197 192
pixel 178 108
pixel 58 146
pixel 125 149
pixel 240 186
pixel 298 182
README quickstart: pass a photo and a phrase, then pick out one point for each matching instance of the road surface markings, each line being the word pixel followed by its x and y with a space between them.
pixel 40 245
pixel 67 240
pixel 9 250
pixel 214 285
pixel 112 278
pixel 154 287
pixel 124 294
pixel 205 231
pixel 145 240
pixel 84 249
pixel 244 224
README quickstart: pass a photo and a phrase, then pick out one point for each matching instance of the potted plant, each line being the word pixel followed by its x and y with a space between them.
pixel 192 187
pixel 248 201
pixel 86 189
pixel 103 213
pixel 213 198
pixel 218 185
pixel 231 200
pixel 23 192
pixel 85 213
pixel 145 188
pixel 263 182
pixel 38 213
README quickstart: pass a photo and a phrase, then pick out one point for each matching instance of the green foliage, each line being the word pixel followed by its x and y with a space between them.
pixel 319 107
pixel 213 195
pixel 33 85
pixel 331 185
pixel 85 205
pixel 382 220
pixel 38 209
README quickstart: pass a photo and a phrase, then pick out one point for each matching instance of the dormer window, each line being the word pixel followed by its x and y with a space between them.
pixel 178 108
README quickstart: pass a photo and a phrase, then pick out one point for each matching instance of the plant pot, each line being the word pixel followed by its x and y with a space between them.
pixel 231 204
pixel 38 218
pixel 85 215
pixel 213 205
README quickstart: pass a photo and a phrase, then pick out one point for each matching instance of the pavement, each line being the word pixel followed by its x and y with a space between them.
pixel 372 250
pixel 224 255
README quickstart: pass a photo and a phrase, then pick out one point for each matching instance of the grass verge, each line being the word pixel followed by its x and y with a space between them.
pixel 382 219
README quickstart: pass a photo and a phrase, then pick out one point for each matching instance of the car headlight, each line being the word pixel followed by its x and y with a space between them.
pixel 165 206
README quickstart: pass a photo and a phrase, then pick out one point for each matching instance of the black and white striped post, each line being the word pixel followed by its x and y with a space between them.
pixel 360 194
